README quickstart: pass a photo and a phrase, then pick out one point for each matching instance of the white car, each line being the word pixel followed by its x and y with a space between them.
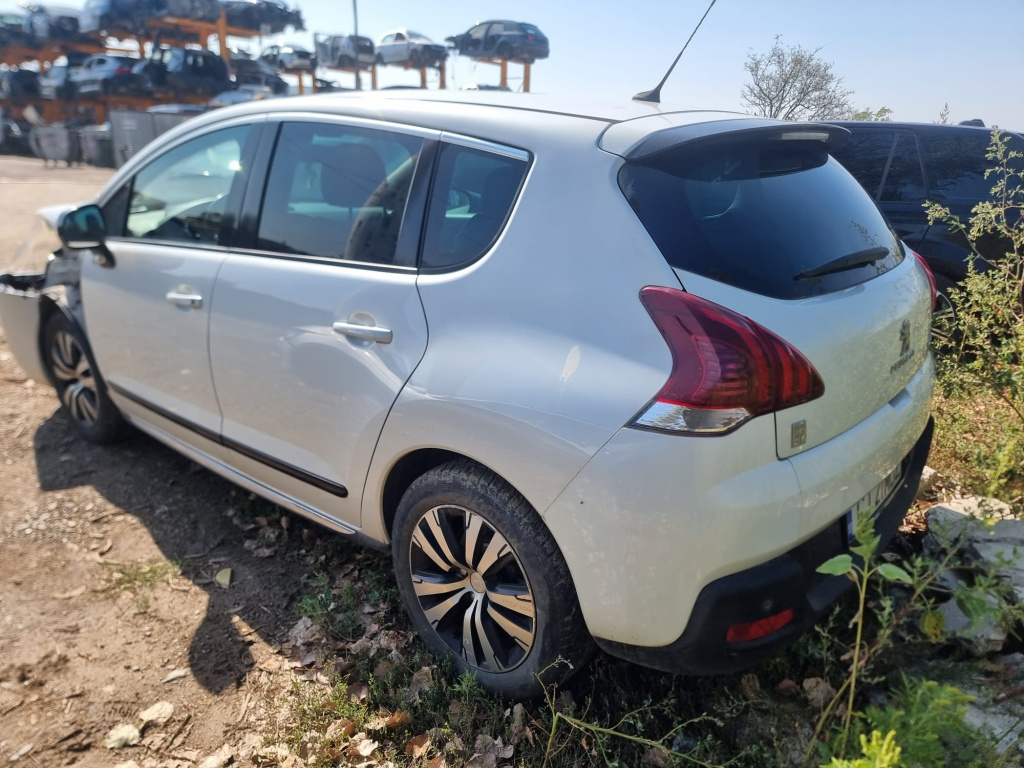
pixel 616 372
pixel 403 46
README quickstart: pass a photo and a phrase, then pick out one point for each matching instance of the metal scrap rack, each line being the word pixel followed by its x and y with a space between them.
pixel 503 63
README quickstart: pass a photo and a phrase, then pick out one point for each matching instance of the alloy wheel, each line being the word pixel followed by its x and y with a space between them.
pixel 472 588
pixel 76 383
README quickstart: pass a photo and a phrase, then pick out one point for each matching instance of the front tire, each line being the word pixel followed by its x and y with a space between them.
pixel 485 583
pixel 80 388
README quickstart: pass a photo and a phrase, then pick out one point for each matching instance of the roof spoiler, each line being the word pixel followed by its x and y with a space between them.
pixel 728 132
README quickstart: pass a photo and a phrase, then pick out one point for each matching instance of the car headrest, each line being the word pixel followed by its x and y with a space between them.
pixel 351 173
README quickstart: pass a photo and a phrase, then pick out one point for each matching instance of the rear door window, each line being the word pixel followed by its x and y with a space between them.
pixel 760 215
pixel 956 163
pixel 904 183
pixel 337 192
pixel 865 156
pixel 472 196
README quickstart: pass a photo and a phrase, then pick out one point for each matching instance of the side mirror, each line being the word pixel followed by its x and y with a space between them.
pixel 82 228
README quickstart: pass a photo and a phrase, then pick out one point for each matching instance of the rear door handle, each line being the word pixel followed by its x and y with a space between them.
pixel 364 332
pixel 186 300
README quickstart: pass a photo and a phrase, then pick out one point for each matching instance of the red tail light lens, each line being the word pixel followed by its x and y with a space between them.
pixel 123 71
pixel 755 630
pixel 929 275
pixel 725 367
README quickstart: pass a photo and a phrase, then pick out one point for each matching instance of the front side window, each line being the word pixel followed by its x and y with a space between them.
pixel 905 182
pixel 337 192
pixel 473 194
pixel 182 195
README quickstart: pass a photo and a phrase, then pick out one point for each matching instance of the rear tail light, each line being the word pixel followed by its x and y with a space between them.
pixel 929 275
pixel 725 367
pixel 755 630
pixel 123 71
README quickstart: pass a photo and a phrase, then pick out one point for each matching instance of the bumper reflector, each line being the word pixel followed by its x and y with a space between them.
pixel 755 630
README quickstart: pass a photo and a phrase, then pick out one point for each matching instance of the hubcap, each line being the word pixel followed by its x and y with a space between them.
pixel 472 588
pixel 73 372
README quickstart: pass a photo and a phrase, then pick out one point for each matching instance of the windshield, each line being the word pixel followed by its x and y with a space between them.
pixel 531 30
pixel 417 37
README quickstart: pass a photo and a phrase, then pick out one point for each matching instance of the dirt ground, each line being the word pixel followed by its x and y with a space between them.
pixel 108 558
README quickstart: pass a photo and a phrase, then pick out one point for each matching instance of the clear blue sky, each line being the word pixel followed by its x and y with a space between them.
pixel 909 55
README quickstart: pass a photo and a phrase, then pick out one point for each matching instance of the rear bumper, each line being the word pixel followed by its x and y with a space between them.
pixel 789 581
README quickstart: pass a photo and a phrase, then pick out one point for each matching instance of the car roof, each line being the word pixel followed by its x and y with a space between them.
pixel 531 121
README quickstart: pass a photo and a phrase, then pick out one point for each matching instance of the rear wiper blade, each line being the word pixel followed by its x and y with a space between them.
pixel 849 261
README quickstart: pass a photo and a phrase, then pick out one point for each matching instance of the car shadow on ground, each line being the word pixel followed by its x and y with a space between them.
pixel 182 506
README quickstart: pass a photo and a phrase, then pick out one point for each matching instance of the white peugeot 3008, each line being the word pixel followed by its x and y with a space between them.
pixel 625 373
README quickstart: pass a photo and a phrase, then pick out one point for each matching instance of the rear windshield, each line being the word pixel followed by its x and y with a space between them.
pixel 759 215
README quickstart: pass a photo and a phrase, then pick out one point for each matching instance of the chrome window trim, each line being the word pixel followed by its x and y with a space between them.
pixel 486 146
pixel 355 122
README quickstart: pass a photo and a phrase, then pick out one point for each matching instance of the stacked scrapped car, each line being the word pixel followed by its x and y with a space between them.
pixel 257 15
pixel 289 57
pixel 182 70
pixel 403 46
pixel 103 73
pixel 654 446
pixel 344 51
pixel 502 40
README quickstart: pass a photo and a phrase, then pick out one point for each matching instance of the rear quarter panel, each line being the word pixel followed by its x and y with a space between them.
pixel 540 351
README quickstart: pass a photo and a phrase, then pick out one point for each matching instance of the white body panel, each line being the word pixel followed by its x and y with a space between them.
pixel 144 344
pixel 852 337
pixel 654 518
pixel 294 389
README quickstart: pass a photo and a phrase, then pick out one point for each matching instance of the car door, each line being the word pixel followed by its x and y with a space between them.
pixel 317 323
pixel 401 47
pixel 902 193
pixel 147 302
pixel 386 48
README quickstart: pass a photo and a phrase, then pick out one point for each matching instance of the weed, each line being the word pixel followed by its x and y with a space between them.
pixel 133 577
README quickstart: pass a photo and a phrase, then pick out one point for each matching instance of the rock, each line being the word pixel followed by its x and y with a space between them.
pixel 218 759
pixel 20 753
pixel 127 764
pixel 819 692
pixel 929 477
pixel 994 722
pixel 124 735
pixel 177 674
pixel 1011 660
pixel 223 578
pixel 159 713
pixel 985 638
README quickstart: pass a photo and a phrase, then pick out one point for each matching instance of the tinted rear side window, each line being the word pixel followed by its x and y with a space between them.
pixel 472 196
pixel 956 164
pixel 757 215
pixel 865 156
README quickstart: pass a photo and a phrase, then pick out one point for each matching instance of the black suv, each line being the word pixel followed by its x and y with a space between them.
pixel 902 165
pixel 502 39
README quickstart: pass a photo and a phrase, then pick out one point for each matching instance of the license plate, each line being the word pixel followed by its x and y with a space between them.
pixel 872 501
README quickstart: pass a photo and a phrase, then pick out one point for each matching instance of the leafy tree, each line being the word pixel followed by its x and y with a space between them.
pixel 883 115
pixel 794 83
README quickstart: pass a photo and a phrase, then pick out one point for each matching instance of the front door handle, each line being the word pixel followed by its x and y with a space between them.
pixel 364 332
pixel 186 300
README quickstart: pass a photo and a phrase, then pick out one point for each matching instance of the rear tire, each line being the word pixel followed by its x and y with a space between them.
pixel 495 595
pixel 944 316
pixel 80 388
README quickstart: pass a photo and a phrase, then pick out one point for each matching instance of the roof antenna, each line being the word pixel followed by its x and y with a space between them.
pixel 654 96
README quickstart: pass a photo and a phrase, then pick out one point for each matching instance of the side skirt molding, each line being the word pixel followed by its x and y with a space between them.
pixel 245 481
pixel 316 481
